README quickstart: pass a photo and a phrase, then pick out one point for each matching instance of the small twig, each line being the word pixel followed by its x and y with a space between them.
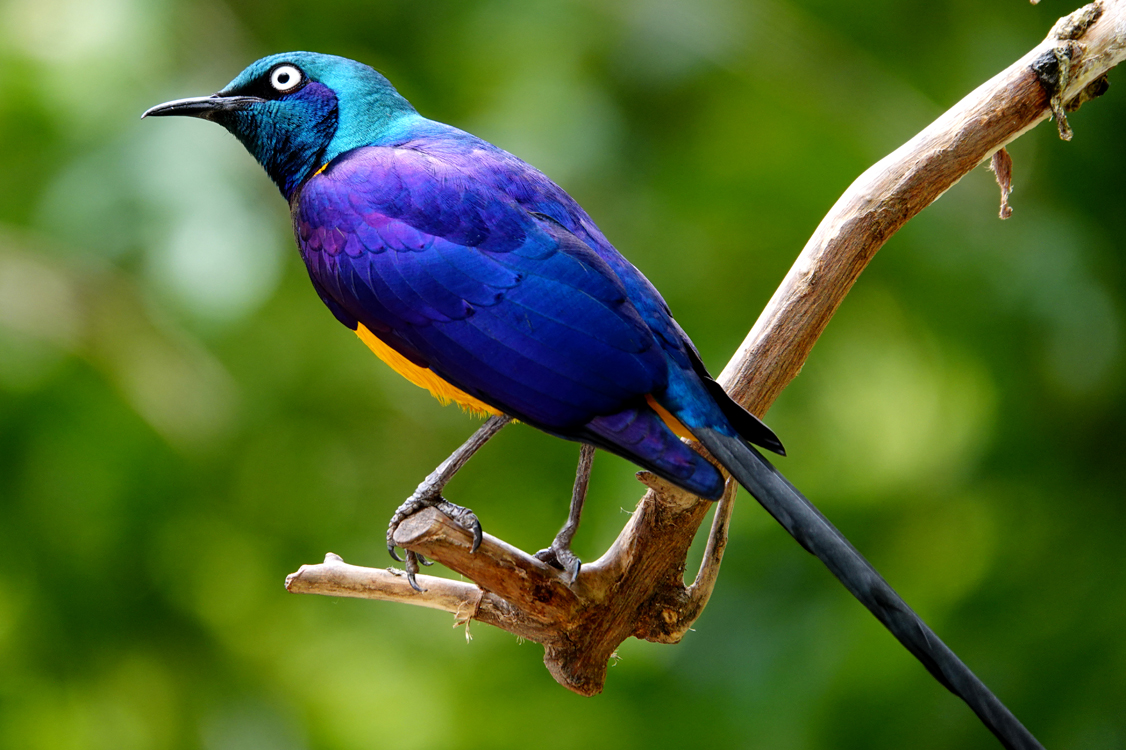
pixel 334 577
pixel 1002 166
pixel 698 594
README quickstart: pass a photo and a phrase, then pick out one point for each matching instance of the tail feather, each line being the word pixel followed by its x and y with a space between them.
pixel 640 435
pixel 753 429
pixel 819 537
pixel 746 424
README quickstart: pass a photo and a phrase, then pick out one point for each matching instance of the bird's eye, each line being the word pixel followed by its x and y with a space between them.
pixel 285 78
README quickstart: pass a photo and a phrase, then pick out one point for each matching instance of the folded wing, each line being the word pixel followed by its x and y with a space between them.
pixel 505 305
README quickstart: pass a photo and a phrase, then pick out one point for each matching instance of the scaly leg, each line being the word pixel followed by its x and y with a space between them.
pixel 429 495
pixel 559 553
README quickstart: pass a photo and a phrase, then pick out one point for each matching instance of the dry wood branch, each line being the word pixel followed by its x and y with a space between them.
pixel 637 587
pixel 334 577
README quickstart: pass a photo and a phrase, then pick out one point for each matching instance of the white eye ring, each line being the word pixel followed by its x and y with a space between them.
pixel 285 78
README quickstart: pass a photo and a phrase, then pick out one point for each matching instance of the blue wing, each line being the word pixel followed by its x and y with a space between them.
pixel 505 304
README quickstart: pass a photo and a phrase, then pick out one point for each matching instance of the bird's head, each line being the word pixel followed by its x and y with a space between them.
pixel 297 111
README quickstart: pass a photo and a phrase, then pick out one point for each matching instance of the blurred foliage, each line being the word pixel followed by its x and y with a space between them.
pixel 182 423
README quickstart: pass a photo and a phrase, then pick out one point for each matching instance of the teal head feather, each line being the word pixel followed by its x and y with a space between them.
pixel 297 111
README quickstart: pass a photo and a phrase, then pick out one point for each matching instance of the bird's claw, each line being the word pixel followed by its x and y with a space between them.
pixel 463 517
pixel 411 565
pixel 560 556
pixel 395 556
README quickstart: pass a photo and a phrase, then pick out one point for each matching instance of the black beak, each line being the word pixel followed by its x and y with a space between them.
pixel 202 106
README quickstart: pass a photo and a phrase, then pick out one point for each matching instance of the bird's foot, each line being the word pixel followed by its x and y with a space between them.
pixel 463 517
pixel 559 555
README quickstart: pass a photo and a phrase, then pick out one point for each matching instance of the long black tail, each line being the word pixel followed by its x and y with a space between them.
pixel 819 537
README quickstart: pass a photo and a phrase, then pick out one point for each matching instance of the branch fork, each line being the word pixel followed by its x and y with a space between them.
pixel 637 587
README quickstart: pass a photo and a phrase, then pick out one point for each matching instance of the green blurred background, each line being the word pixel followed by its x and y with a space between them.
pixel 182 423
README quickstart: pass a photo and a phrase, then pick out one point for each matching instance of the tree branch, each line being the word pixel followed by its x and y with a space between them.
pixel 637 587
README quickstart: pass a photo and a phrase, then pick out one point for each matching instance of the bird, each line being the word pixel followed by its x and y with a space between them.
pixel 476 277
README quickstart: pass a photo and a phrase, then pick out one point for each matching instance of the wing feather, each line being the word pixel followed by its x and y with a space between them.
pixel 507 306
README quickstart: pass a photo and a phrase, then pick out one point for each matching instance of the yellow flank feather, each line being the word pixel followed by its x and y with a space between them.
pixel 423 377
pixel 674 424
pixel 426 378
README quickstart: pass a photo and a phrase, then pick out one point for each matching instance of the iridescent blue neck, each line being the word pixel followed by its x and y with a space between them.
pixel 371 113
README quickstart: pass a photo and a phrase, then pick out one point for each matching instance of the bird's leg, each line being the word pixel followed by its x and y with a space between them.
pixel 429 495
pixel 559 553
